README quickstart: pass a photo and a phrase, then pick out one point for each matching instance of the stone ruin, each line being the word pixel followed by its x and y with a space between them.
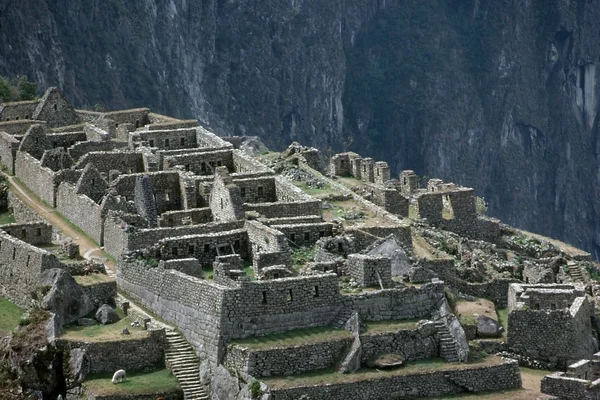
pixel 211 240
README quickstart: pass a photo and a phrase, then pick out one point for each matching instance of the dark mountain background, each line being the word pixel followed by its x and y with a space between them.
pixel 499 95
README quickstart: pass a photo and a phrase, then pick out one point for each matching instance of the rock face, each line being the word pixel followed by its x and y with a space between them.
pixel 79 367
pixel 65 297
pixel 106 315
pixel 491 95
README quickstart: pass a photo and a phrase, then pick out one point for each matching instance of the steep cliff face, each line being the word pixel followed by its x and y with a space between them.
pixel 500 95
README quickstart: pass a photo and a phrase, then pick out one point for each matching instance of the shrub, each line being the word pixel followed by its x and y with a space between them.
pixel 481 206
pixel 255 391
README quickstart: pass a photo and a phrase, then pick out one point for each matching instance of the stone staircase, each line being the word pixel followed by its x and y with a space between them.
pixel 448 349
pixel 575 272
pixel 340 320
pixel 181 358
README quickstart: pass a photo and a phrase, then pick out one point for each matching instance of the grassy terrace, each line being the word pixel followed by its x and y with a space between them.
pixel 503 317
pixel 10 314
pixel 316 192
pixel 293 338
pixel 7 218
pixel 330 376
pixel 104 332
pixel 391 325
pixel 137 383
pixel 92 279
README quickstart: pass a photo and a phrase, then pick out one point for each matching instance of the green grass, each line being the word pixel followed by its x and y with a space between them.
pixel 92 279
pixel 323 191
pixel 7 218
pixel 104 332
pixel 467 320
pixel 10 314
pixel 158 381
pixel 293 338
pixel 207 272
pixel 330 376
pixel 502 314
pixel 249 271
pixel 391 325
pixel 302 256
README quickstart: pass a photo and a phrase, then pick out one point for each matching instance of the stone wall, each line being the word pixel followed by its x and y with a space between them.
pixel 30 232
pixel 134 116
pixel 397 304
pixel 21 265
pixel 201 163
pixel 560 336
pixel 411 344
pixel 8 150
pixel 390 200
pixel 66 139
pixel 370 270
pixel 257 190
pixel 473 379
pixel 266 307
pixel 39 180
pixel 195 306
pixel 127 354
pixel 568 388
pixel 167 139
pixel 286 361
pixel 18 127
pixel 78 150
pixel 191 216
pixel 205 247
pixel 495 290
pixel 265 239
pixel 20 210
pixel 188 266
pixel 127 162
pixel 172 395
pixel 305 235
pixel 17 110
pixel 166 189
pixel 285 209
pixel 81 210
pixel 101 292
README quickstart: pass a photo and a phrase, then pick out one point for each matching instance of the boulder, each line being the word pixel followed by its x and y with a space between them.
pixel 79 367
pixel 65 297
pixel 488 327
pixel 106 315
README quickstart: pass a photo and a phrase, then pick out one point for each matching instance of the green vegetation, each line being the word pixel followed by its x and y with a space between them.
pixel 255 391
pixel 502 314
pixel 34 316
pixel 7 218
pixel 137 382
pixel 207 272
pixel 92 279
pixel 248 269
pixel 104 332
pixel 467 319
pixel 294 338
pixel 18 89
pixel 10 314
pixel 391 325
pixel 302 256
pixel 317 192
pixel 481 206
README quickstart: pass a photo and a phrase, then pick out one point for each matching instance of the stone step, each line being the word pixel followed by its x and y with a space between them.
pixel 180 360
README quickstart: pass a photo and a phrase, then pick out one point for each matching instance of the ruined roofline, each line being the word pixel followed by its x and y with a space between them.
pixel 18 103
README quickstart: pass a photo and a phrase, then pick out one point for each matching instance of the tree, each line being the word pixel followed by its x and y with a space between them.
pixel 27 90
pixel 5 91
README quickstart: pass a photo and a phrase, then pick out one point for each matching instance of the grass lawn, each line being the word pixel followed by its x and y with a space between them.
pixel 92 279
pixel 503 317
pixel 293 338
pixel 104 332
pixel 7 218
pixel 137 382
pixel 330 376
pixel 10 314
pixel 391 325
pixel 317 192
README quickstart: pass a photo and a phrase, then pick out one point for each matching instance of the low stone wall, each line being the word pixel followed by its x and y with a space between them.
pixel 127 354
pixel 286 361
pixel 411 344
pixel 101 293
pixel 35 233
pixel 427 384
pixel 566 388
pixel 173 395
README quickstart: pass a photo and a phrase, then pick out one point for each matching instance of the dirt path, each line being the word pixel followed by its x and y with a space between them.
pixel 87 247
